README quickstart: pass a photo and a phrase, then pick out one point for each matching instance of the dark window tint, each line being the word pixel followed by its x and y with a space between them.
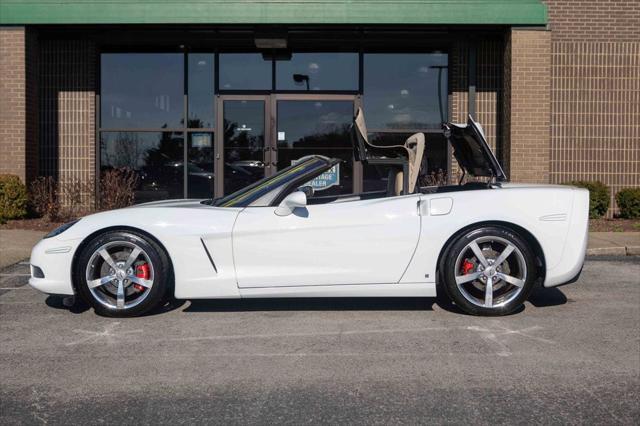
pixel 156 157
pixel 318 128
pixel 244 71
pixel 200 176
pixel 243 143
pixel 405 91
pixel 201 90
pixel 318 71
pixel 320 124
pixel 142 90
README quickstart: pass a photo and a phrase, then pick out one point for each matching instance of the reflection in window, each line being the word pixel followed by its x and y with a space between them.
pixel 320 128
pixel 405 91
pixel 157 158
pixel 200 177
pixel 243 144
pixel 340 183
pixel 320 124
pixel 201 90
pixel 244 71
pixel 142 90
pixel 318 71
pixel 434 162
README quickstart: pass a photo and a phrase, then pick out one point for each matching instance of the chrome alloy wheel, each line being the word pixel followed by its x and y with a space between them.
pixel 120 275
pixel 490 272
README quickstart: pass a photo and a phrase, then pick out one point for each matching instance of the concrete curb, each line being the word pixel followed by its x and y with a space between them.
pixel 614 251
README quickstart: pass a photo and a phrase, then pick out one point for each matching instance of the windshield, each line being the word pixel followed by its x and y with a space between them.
pixel 299 173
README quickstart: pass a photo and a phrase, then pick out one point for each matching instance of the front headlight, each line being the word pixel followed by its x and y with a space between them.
pixel 60 229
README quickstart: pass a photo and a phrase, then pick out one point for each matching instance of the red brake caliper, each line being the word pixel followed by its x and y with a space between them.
pixel 142 271
pixel 467 266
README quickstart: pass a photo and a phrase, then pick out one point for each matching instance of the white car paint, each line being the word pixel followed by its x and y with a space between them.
pixel 383 247
pixel 358 242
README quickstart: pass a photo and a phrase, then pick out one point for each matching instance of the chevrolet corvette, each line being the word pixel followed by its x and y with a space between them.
pixel 486 244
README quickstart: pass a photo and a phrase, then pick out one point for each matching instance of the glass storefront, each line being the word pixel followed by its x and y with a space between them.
pixel 204 124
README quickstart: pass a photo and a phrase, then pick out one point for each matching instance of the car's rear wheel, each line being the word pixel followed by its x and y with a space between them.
pixel 489 271
pixel 122 274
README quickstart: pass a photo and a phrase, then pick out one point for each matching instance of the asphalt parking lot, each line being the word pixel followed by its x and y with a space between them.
pixel 572 355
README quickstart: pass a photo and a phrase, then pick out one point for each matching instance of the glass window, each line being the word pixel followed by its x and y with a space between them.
pixel 318 71
pixel 157 157
pixel 320 128
pixel 244 143
pixel 244 71
pixel 319 124
pixel 405 91
pixel 201 90
pixel 142 90
pixel 253 194
pixel 200 177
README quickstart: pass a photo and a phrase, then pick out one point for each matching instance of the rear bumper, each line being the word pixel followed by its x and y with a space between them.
pixel 568 269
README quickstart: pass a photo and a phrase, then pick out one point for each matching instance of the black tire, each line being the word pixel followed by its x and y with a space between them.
pixel 155 296
pixel 468 296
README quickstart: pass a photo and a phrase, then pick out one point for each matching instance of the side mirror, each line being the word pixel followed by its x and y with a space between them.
pixel 308 190
pixel 291 202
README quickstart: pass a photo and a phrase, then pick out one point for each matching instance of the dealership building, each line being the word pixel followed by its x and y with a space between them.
pixel 202 98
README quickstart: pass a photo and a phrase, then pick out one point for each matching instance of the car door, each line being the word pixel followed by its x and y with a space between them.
pixel 355 242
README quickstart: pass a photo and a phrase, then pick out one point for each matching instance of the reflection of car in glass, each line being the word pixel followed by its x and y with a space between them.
pixel 485 244
pixel 169 177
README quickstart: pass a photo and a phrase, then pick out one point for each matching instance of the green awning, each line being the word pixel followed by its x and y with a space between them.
pixel 482 12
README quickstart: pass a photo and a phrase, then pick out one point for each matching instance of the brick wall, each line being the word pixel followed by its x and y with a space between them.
pixel 527 62
pixel 489 90
pixel 67 113
pixel 18 99
pixel 594 20
pixel 595 92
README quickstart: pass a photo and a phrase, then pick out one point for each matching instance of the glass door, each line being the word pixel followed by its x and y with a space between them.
pixel 317 125
pixel 243 154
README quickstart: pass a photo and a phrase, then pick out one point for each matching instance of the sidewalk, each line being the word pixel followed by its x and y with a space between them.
pixel 614 244
pixel 16 244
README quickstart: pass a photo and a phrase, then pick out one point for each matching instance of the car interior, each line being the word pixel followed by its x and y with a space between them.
pixel 399 160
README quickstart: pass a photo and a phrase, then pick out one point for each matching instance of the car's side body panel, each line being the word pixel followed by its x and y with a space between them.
pixel 393 243
pixel 179 226
pixel 556 216
pixel 357 242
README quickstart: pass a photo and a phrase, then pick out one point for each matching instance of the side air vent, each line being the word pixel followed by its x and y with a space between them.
pixel 36 272
pixel 204 246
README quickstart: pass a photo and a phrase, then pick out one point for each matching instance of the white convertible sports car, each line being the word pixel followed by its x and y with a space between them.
pixel 486 245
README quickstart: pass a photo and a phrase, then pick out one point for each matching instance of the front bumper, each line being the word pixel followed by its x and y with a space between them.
pixel 54 257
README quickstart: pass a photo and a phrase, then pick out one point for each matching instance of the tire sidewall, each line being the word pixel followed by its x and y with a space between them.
pixel 157 257
pixel 450 266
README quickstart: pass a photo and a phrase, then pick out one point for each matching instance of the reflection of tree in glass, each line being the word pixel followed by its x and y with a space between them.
pixel 194 123
pixel 167 150
pixel 124 152
pixel 235 139
pixel 334 137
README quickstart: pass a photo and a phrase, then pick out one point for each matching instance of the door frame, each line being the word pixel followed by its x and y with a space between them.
pixel 219 137
pixel 271 130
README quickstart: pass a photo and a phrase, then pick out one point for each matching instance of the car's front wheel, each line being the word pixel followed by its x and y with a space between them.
pixel 122 274
pixel 489 271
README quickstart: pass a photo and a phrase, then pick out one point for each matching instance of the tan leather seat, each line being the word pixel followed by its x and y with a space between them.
pixel 415 146
pixel 413 150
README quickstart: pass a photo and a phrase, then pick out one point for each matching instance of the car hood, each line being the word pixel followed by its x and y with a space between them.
pixel 471 150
